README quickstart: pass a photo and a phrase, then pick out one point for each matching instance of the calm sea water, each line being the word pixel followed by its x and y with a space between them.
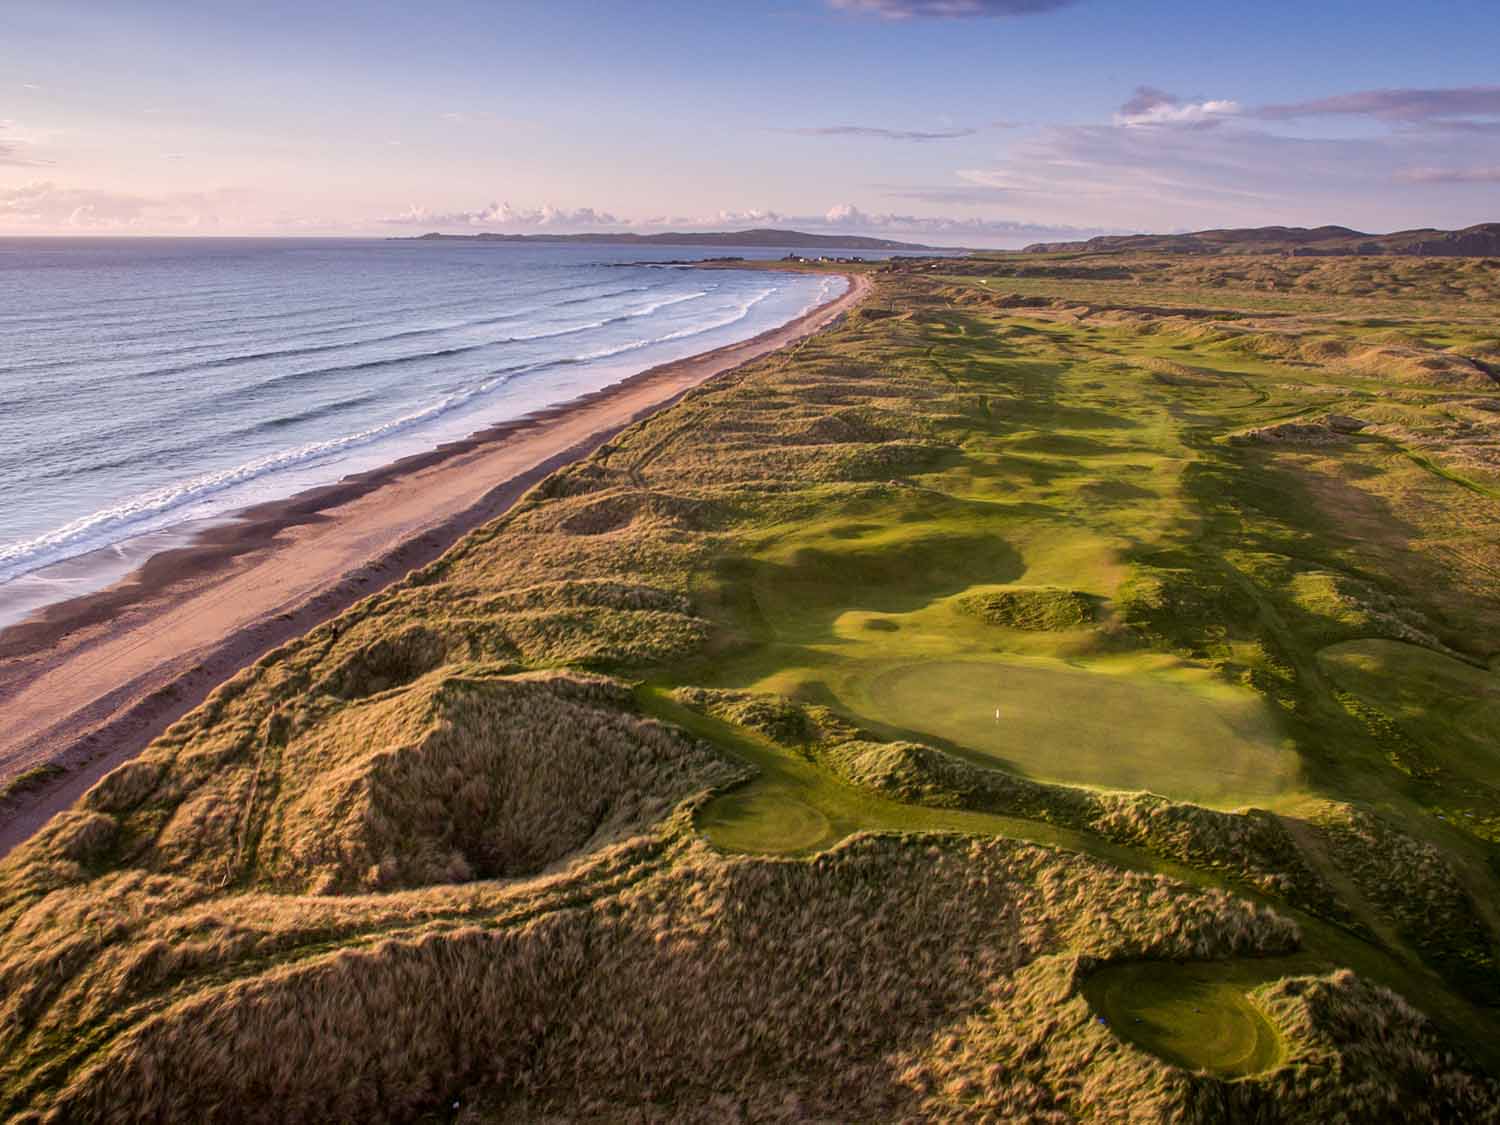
pixel 146 383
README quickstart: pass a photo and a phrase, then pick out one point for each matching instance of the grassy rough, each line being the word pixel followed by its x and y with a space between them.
pixel 1417 889
pixel 1043 609
pixel 465 773
pixel 1039 1053
pixel 940 924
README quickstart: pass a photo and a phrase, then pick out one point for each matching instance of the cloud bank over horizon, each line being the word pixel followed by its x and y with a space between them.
pixel 842 218
pixel 46 207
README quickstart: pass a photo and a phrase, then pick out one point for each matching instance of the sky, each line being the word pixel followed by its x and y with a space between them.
pixel 953 122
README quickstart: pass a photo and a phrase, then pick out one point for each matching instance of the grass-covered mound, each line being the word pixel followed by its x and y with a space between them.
pixel 502 776
pixel 465 773
pixel 1448 708
pixel 780 987
pixel 1042 609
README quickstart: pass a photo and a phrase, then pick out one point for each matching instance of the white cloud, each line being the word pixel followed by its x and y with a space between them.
pixel 1150 106
pixel 46 204
pixel 848 216
pixel 503 215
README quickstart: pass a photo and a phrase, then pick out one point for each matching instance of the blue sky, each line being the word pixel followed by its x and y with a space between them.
pixel 981 122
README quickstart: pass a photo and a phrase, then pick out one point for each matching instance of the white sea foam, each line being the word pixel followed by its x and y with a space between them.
pixel 91 427
pixel 144 512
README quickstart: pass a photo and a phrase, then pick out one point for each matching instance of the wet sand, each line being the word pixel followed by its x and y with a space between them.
pixel 87 684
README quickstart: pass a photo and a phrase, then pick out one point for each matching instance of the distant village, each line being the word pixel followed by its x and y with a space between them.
pixel 823 258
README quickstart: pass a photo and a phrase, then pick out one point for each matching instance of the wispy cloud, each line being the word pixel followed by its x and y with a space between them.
pixel 44 206
pixel 949 9
pixel 881 133
pixel 1395 105
pixel 484 117
pixel 1488 175
pixel 14 150
pixel 969 195
pixel 1166 161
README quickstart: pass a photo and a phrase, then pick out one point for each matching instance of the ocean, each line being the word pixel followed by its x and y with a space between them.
pixel 147 385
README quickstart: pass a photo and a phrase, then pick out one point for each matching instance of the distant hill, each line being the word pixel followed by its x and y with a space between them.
pixel 1482 240
pixel 775 239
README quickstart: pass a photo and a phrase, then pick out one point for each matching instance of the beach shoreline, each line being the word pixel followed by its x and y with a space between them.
pixel 87 683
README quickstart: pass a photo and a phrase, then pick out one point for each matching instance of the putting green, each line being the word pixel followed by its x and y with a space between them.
pixel 1195 1016
pixel 764 820
pixel 794 807
pixel 1204 741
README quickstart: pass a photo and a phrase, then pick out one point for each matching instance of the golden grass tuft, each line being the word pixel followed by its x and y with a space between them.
pixel 1415 888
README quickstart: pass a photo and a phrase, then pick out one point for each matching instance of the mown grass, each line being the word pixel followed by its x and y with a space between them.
pixel 1449 708
pixel 400 840
pixel 1198 1015
pixel 790 797
pixel 1121 728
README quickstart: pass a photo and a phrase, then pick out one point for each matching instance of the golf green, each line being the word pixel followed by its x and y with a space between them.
pixel 1195 1016
pixel 763 820
pixel 1051 720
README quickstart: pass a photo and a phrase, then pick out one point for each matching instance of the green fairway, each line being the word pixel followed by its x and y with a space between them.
pixel 1196 1015
pixel 1449 708
pixel 1199 741
pixel 765 819
pixel 794 807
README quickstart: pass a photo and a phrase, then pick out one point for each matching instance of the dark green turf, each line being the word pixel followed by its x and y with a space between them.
pixel 1196 1015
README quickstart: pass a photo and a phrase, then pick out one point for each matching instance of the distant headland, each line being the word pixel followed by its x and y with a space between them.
pixel 1481 240
pixel 763 237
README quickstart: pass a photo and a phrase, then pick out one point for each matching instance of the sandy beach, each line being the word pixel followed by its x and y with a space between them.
pixel 86 684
